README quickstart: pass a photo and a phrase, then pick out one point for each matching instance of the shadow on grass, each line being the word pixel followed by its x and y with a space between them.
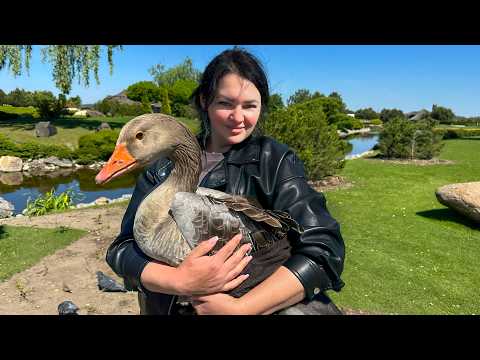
pixel 450 216
pixel 2 231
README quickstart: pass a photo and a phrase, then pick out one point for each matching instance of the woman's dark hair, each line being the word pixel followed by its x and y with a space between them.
pixel 237 61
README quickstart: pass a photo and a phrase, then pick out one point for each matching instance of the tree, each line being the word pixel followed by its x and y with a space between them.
pixel 275 102
pixel 48 106
pixel 74 101
pixel 366 114
pixel 337 96
pixel 183 71
pixel 299 97
pixel 442 114
pixel 389 114
pixel 68 61
pixel 3 97
pixel 166 109
pixel 305 129
pixel 144 91
pixel 20 97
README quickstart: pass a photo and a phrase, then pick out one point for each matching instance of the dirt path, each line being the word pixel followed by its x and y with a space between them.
pixel 39 289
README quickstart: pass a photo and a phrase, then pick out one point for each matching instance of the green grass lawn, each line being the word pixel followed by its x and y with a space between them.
pixel 22 247
pixel 405 252
pixel 69 128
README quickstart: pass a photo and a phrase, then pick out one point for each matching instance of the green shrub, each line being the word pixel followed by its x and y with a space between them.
pixel 49 202
pixel 405 139
pixel 32 150
pixel 376 122
pixel 48 105
pixel 343 121
pixel 96 146
pixel 144 90
pixel 457 133
pixel 304 128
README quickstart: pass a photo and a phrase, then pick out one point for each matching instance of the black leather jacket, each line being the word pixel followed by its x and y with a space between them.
pixel 258 167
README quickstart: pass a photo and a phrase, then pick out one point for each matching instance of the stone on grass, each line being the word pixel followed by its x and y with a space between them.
pixel 463 198
pixel 45 129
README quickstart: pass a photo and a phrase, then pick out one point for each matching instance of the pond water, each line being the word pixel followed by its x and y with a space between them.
pixel 82 182
pixel 362 143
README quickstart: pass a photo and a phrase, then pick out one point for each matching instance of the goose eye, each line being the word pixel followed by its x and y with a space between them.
pixel 139 136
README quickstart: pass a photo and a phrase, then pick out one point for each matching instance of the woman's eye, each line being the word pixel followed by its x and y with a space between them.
pixel 223 103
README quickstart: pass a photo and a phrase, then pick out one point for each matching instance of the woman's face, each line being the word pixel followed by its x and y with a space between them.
pixel 233 113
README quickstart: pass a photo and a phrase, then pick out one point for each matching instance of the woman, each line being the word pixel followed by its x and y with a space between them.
pixel 231 99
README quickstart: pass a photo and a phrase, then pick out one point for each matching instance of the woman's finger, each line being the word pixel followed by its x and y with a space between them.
pixel 237 257
pixel 239 268
pixel 234 283
pixel 224 253
pixel 204 247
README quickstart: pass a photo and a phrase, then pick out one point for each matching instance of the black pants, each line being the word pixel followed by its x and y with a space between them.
pixel 159 304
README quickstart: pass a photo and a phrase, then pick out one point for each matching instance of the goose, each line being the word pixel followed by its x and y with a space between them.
pixel 177 214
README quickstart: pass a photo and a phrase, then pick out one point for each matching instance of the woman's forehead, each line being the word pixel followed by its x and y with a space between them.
pixel 232 86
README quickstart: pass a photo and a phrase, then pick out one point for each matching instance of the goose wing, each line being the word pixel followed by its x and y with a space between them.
pixel 209 213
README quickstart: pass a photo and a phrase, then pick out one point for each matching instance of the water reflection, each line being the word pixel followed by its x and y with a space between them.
pixel 17 188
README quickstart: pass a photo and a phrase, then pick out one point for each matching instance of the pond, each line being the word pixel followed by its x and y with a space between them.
pixel 362 143
pixel 82 182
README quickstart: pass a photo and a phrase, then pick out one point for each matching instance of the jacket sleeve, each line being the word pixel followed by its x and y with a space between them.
pixel 123 255
pixel 318 254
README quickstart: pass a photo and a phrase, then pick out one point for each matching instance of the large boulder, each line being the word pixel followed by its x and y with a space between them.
pixel 45 129
pixel 10 164
pixel 92 113
pixel 6 208
pixel 464 198
pixel 63 163
pixel 103 126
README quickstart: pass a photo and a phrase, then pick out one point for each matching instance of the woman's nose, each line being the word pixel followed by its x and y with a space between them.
pixel 237 115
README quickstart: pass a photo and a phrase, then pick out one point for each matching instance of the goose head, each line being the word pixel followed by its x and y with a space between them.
pixel 143 140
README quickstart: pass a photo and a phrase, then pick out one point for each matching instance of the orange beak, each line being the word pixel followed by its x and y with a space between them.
pixel 119 163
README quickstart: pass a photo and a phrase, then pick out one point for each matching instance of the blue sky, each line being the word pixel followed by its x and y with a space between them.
pixel 378 76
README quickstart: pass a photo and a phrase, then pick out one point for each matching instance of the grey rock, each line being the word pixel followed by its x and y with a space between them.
pixel 107 284
pixel 320 305
pixel 463 198
pixel 45 129
pixel 63 163
pixel 103 126
pixel 6 208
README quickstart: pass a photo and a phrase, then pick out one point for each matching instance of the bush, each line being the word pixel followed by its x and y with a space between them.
pixel 376 122
pixel 457 133
pixel 96 146
pixel 31 150
pixel 144 91
pixel 48 106
pixel 343 121
pixel 404 139
pixel 305 129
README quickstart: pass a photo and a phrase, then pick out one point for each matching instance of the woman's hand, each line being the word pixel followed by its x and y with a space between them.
pixel 200 274
pixel 217 304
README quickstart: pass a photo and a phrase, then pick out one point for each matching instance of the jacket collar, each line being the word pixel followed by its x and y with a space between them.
pixel 247 151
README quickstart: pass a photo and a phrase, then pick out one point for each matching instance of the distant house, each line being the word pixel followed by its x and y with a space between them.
pixel 123 99
pixel 351 115
pixel 416 115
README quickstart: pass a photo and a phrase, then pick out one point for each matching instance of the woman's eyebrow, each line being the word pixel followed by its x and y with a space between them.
pixel 233 100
